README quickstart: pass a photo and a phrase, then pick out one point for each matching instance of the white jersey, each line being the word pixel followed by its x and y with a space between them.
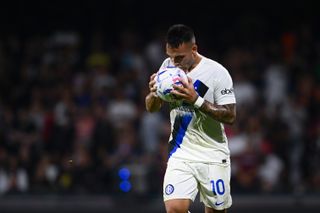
pixel 195 136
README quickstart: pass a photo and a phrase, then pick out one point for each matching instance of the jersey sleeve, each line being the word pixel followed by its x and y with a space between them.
pixel 224 93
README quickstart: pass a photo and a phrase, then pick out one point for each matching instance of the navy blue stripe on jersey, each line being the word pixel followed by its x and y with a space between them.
pixel 200 88
pixel 179 130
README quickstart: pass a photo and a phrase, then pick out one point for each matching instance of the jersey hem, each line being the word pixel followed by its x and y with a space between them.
pixel 222 162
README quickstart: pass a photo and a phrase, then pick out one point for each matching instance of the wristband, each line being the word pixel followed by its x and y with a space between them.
pixel 198 102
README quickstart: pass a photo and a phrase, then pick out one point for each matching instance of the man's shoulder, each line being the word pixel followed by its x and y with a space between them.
pixel 214 69
pixel 213 64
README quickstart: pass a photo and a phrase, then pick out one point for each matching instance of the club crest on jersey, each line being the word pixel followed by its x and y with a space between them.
pixel 169 189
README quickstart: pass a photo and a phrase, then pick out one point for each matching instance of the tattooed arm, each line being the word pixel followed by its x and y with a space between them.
pixel 222 113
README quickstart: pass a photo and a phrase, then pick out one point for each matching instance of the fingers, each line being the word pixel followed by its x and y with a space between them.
pixel 186 83
pixel 178 87
pixel 153 76
pixel 152 85
pixel 153 89
pixel 154 94
pixel 178 94
pixel 152 82
pixel 185 91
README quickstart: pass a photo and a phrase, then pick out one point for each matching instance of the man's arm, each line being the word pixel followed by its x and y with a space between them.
pixel 222 113
pixel 153 102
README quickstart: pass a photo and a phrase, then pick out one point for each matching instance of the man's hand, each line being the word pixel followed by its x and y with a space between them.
pixel 185 92
pixel 152 85
pixel 152 101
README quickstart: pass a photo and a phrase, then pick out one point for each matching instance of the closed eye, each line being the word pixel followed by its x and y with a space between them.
pixel 179 58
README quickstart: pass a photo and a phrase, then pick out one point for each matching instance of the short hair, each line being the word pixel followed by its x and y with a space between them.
pixel 179 34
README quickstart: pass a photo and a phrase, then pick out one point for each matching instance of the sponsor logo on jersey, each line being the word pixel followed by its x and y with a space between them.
pixel 169 189
pixel 227 91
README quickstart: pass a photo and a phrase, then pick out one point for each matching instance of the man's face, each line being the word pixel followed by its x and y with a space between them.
pixel 183 56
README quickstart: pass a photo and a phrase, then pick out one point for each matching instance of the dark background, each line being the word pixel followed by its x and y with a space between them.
pixel 68 68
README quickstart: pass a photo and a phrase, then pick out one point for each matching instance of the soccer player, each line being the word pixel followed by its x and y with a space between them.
pixel 199 157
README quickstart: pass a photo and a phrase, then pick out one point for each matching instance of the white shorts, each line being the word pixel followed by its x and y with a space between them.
pixel 183 180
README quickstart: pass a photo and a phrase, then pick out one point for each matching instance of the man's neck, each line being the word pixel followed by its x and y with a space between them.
pixel 196 62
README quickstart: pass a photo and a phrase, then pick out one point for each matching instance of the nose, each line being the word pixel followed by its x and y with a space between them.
pixel 176 62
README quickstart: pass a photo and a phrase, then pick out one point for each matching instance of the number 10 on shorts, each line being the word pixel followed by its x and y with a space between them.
pixel 218 187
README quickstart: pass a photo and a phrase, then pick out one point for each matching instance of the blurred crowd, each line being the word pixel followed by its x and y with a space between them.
pixel 72 115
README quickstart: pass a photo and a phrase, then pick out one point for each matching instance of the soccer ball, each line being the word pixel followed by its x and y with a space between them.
pixel 165 78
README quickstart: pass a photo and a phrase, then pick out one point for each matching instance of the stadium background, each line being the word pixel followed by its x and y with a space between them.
pixel 74 134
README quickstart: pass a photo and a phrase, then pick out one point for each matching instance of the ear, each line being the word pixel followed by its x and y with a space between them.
pixel 194 48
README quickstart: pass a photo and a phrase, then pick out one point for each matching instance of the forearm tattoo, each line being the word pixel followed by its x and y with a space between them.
pixel 224 113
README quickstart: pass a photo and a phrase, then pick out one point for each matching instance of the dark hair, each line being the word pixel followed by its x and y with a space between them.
pixel 179 34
